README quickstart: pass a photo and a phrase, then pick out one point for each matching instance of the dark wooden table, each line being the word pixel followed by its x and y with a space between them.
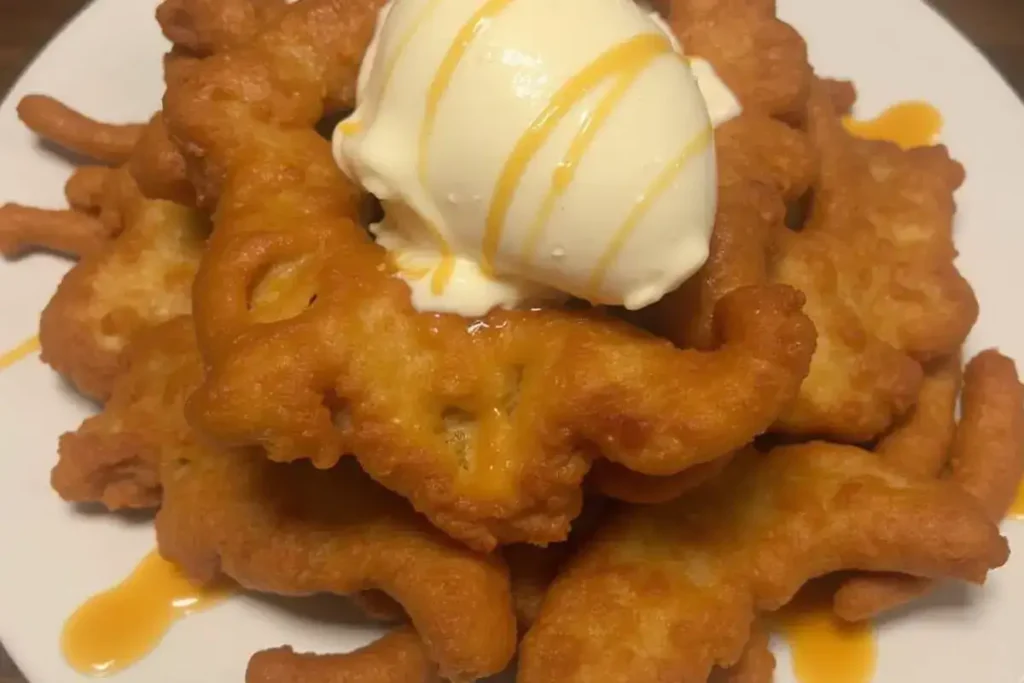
pixel 997 26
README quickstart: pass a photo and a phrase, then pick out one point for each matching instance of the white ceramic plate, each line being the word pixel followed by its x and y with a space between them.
pixel 107 63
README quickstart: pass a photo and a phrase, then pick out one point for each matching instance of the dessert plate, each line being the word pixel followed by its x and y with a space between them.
pixel 54 556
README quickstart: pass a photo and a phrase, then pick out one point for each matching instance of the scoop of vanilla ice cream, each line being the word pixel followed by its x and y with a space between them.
pixel 525 148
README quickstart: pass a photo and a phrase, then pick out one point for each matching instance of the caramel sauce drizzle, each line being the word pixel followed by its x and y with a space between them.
pixel 116 628
pixel 469 31
pixel 626 60
pixel 908 124
pixel 825 649
pixel 19 352
pixel 565 172
pixel 643 204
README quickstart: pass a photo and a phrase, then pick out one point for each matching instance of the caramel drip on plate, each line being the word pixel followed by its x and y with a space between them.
pixel 908 124
pixel 643 204
pixel 19 352
pixel 626 60
pixel 1017 509
pixel 117 627
pixel 825 649
pixel 476 25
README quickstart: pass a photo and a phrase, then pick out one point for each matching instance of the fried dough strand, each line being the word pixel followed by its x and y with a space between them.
pixel 295 530
pixel 875 260
pixel 86 187
pixel 53 120
pixel 286 529
pixel 398 657
pixel 113 458
pixel 919 446
pixel 205 27
pixel 25 228
pixel 762 165
pixel 987 461
pixel 668 592
pixel 141 279
pixel 618 482
pixel 757 665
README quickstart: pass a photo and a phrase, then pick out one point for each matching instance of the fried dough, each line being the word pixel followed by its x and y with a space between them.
pixel 205 27
pixel 618 482
pixel 398 657
pixel 987 461
pixel 919 445
pixel 762 165
pixel 668 592
pixel 54 121
pixel 72 233
pixel 287 529
pixel 139 280
pixel 757 664
pixel 113 458
pixel 488 428
pixel 294 530
pixel 762 59
pixel 875 260
pixel 138 256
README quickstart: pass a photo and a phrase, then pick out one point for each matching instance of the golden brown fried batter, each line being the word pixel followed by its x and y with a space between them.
pixel 114 457
pixel 667 592
pixel 762 59
pixel 159 168
pixel 60 124
pixel 753 148
pixel 621 483
pixel 136 281
pixel 762 164
pixel 875 261
pixel 204 27
pixel 987 461
pixel 842 94
pixel 757 664
pixel 532 569
pixel 398 657
pixel 138 256
pixel 24 228
pixel 86 187
pixel 488 428
pixel 919 445
pixel 287 529
pixel 295 530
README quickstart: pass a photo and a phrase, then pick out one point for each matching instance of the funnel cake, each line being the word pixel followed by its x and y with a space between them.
pixel 138 256
pixel 314 350
pixel 287 529
pixel 666 592
pixel 876 262
pixel 985 458
pixel 113 458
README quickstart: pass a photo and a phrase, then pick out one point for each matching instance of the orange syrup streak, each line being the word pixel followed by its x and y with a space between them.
pixel 908 124
pixel 19 352
pixel 114 629
pixel 824 648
